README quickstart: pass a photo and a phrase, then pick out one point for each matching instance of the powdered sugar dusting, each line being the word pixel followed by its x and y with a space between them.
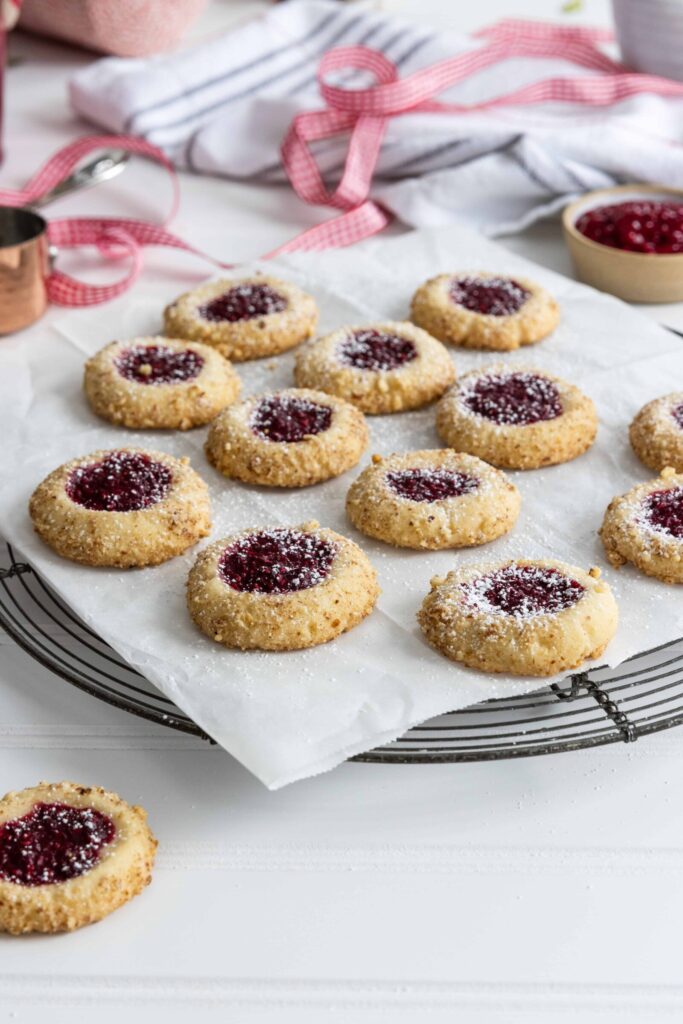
pixel 243 302
pixel 368 349
pixel 512 399
pixel 120 482
pixel 662 512
pixel 53 843
pixel 286 418
pixel 524 591
pixel 431 484
pixel 158 364
pixel 277 561
pixel 492 296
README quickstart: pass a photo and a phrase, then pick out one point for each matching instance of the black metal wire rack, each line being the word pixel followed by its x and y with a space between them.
pixel 642 696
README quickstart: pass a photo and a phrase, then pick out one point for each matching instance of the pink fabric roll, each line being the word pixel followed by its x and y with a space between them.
pixel 127 28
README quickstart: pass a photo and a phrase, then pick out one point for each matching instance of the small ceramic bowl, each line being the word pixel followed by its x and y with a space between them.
pixel 634 276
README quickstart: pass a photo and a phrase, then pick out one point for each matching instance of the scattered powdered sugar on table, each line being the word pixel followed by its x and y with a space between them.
pixel 286 716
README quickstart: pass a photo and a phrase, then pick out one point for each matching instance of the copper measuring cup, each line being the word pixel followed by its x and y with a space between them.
pixel 26 257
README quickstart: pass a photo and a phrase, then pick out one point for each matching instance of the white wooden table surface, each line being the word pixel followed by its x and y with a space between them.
pixel 545 889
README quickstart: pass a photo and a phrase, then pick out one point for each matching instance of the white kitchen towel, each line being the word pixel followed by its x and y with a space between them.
pixel 223 107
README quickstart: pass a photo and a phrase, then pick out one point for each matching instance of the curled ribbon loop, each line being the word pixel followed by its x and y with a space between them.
pixel 363 114
pixel 114 237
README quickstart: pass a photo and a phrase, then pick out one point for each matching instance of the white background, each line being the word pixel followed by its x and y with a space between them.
pixel 535 890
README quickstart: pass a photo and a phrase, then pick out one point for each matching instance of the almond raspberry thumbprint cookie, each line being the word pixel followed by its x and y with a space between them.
pixel 69 855
pixel 244 319
pixel 657 433
pixel 485 311
pixel 280 589
pixel 126 507
pixel 382 368
pixel 526 618
pixel 159 383
pixel 432 499
pixel 645 527
pixel 290 438
pixel 517 418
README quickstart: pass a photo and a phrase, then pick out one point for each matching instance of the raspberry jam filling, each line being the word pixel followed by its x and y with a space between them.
pixel 121 482
pixel 523 591
pixel 494 296
pixel 280 418
pixel 663 510
pixel 276 562
pixel 243 302
pixel 375 350
pixel 514 399
pixel 640 225
pixel 53 843
pixel 431 484
pixel 156 364
pixel 677 414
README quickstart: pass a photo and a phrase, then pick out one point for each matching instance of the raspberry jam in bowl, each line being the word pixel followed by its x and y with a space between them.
pixel 629 241
pixel 636 225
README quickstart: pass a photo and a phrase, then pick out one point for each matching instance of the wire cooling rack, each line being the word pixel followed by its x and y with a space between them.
pixel 642 696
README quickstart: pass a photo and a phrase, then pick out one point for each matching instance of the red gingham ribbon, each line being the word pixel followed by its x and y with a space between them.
pixel 364 114
pixel 117 237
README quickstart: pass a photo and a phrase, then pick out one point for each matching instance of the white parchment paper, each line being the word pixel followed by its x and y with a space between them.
pixel 287 716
